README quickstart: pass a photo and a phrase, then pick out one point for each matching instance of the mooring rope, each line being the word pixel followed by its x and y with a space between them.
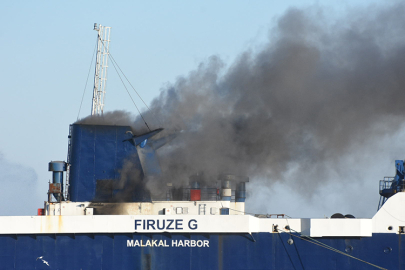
pixel 318 243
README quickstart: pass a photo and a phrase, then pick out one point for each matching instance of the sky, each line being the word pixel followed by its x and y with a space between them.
pixel 47 51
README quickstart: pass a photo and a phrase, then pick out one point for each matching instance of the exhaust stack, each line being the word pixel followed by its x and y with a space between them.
pixel 56 187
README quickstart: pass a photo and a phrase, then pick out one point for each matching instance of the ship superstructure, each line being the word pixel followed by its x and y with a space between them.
pixel 97 155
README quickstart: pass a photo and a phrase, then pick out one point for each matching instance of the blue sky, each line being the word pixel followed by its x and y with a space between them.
pixel 47 49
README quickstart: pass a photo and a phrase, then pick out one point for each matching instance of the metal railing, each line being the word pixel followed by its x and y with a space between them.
pixel 389 183
pixel 388 187
pixel 207 194
pixel 386 183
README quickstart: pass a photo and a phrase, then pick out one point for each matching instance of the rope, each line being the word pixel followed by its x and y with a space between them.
pixel 85 86
pixel 318 243
pixel 392 215
pixel 129 82
pixel 240 211
pixel 288 254
pixel 295 246
pixel 133 88
pixel 130 96
pixel 115 65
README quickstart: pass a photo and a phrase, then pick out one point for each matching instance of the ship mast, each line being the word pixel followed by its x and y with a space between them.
pixel 100 75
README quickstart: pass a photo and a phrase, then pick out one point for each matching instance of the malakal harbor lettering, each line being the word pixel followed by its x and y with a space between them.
pixel 173 243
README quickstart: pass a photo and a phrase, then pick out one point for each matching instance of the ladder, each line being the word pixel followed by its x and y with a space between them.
pixel 100 75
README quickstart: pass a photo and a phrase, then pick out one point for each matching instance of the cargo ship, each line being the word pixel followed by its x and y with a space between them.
pixel 99 215
pixel 198 226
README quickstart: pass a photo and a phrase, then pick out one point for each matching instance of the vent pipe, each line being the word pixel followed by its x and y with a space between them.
pixel 56 187
pixel 240 194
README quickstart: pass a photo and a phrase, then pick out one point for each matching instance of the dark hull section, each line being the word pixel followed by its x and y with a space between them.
pixel 196 251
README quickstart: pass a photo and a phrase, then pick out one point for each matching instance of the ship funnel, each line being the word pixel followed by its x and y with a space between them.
pixel 195 190
pixel 228 184
pixel 56 187
pixel 240 194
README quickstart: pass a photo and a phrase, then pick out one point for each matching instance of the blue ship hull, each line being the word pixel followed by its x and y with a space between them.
pixel 224 251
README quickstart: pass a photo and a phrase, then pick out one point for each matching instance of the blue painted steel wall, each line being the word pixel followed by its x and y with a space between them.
pixel 226 251
pixel 97 152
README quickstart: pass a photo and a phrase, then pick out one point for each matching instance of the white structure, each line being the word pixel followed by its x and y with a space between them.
pixel 67 208
pixel 100 75
pixel 74 217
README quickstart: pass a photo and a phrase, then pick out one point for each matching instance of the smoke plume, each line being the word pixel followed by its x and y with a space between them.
pixel 119 118
pixel 300 112
pixel 317 92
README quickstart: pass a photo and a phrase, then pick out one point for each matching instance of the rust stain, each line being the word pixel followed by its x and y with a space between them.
pixel 54 188
pixel 60 223
pixel 51 224
pixel 41 223
pixel 48 222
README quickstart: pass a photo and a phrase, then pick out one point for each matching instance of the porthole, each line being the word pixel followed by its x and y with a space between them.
pixel 349 249
pixel 389 228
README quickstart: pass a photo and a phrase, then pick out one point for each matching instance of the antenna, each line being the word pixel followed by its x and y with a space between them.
pixel 100 75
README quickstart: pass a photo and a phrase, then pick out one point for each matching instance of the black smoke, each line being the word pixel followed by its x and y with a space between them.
pixel 301 113
pixel 320 90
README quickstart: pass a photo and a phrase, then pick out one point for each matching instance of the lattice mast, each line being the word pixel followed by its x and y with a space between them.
pixel 100 75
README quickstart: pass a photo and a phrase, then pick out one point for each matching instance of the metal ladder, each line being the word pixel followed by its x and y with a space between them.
pixel 66 185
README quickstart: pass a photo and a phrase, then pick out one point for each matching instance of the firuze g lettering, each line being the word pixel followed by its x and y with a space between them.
pixel 163 224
